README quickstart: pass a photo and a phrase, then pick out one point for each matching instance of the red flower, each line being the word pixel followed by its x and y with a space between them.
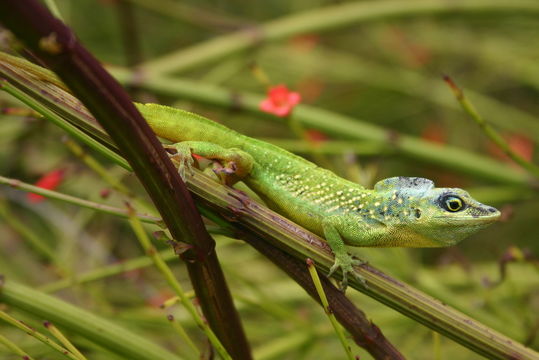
pixel 280 101
pixel 49 181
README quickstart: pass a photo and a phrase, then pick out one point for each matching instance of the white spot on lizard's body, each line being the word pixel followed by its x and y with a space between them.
pixel 333 208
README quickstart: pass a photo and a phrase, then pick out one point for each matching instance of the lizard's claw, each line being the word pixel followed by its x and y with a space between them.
pixel 183 159
pixel 346 263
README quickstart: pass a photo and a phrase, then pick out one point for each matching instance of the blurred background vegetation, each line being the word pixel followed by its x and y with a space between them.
pixel 386 71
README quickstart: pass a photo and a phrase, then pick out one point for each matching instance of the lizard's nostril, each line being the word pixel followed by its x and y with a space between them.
pixel 492 210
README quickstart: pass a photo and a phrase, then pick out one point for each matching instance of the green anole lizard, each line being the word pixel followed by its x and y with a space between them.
pixel 398 212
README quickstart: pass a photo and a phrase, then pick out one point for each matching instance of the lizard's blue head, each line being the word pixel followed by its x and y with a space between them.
pixel 421 215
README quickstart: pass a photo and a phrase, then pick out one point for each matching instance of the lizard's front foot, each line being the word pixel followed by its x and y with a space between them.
pixel 343 260
pixel 183 158
pixel 230 166
pixel 346 262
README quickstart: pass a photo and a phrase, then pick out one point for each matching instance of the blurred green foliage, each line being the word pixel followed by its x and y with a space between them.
pixel 387 72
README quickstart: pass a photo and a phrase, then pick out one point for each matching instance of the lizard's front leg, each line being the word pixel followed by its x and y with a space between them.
pixel 343 259
pixel 235 164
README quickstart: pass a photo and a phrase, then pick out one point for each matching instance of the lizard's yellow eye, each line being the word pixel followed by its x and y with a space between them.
pixel 452 203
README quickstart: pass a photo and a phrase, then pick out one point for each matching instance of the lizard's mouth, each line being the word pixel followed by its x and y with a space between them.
pixel 476 216
pixel 492 217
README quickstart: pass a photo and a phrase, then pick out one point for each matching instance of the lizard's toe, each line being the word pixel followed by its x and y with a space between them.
pixel 346 263
pixel 183 159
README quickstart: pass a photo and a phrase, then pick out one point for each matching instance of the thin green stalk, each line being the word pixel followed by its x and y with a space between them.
pixel 64 340
pixel 110 336
pixel 177 326
pixel 100 170
pixel 106 209
pixel 325 19
pixel 331 147
pixel 163 268
pixel 436 346
pixel 106 271
pixel 34 333
pixel 325 304
pixel 169 302
pixel 489 130
pixel 14 348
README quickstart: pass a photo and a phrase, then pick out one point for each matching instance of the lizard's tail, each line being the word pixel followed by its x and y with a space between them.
pixel 178 125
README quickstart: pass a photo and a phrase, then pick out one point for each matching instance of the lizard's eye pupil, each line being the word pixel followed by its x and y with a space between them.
pixel 453 203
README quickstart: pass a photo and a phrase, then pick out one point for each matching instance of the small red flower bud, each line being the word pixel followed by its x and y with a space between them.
pixel 49 181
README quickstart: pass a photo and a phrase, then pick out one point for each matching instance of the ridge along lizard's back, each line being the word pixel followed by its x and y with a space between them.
pixel 400 211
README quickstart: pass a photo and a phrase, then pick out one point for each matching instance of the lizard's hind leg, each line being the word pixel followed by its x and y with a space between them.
pixel 233 164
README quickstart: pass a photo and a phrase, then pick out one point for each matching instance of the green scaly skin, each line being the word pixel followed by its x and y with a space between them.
pixel 399 211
